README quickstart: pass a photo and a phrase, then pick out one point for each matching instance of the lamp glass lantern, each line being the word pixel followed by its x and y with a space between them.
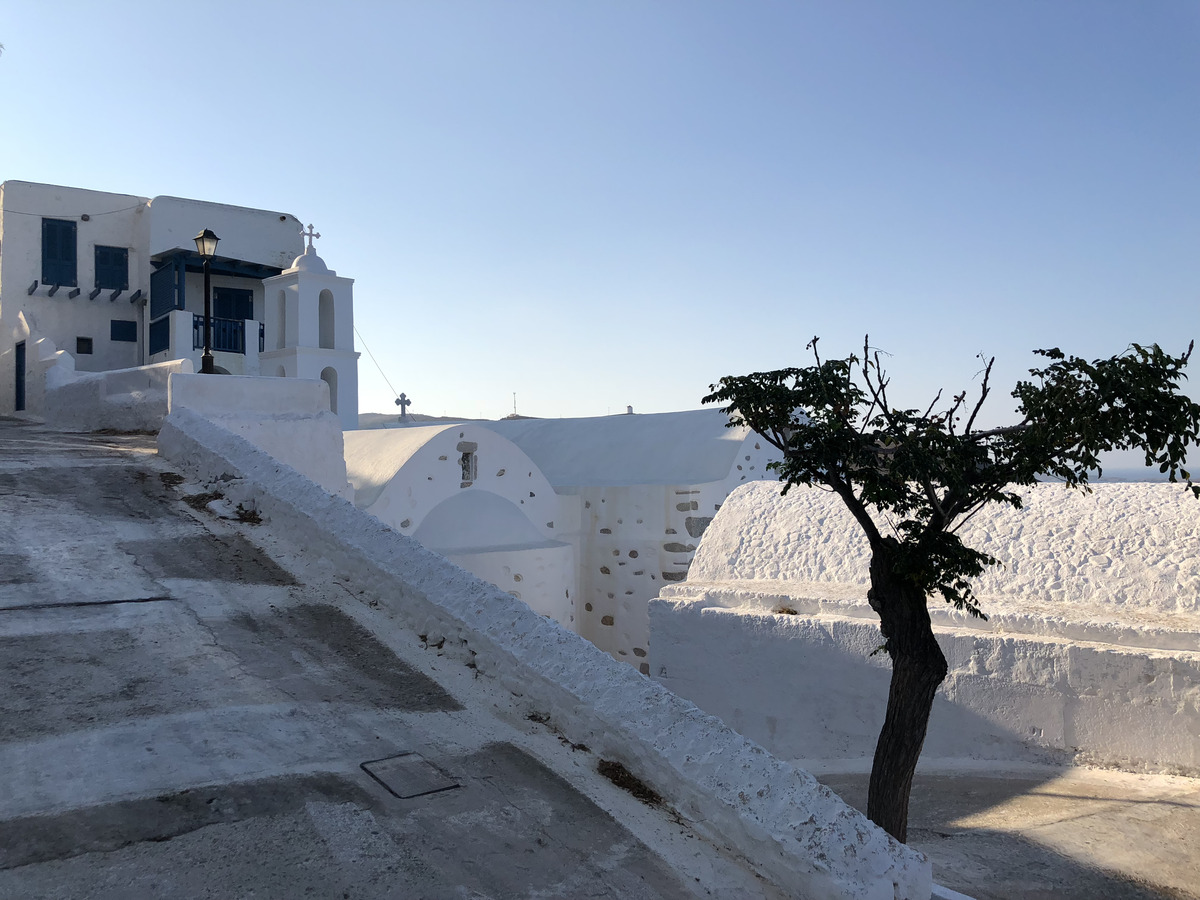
pixel 206 246
pixel 206 243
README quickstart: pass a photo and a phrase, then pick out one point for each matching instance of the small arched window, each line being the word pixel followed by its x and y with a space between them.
pixel 329 376
pixel 325 320
pixel 281 323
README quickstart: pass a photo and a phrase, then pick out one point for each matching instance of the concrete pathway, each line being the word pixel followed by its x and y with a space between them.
pixel 1080 834
pixel 183 715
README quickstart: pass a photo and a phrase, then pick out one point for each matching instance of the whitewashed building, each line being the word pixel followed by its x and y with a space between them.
pixel 584 519
pixel 95 281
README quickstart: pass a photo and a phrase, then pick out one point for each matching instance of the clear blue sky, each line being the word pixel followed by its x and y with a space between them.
pixel 595 204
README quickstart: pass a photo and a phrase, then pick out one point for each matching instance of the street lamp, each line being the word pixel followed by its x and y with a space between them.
pixel 206 246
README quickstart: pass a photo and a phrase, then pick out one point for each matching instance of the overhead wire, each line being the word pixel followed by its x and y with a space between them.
pixel 358 334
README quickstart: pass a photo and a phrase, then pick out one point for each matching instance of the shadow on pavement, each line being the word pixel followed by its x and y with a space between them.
pixel 995 863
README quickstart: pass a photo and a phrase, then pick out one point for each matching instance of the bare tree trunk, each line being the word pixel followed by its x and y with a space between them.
pixel 918 667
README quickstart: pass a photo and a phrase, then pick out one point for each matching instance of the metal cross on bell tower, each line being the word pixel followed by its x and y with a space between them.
pixel 310 234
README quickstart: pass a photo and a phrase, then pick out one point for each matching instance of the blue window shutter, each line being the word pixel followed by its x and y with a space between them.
pixel 112 268
pixel 165 291
pixel 123 330
pixel 58 252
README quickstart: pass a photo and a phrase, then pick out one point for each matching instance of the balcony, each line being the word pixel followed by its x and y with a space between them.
pixel 169 338
pixel 228 335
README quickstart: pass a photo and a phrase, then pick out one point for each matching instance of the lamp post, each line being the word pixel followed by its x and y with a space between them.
pixel 206 246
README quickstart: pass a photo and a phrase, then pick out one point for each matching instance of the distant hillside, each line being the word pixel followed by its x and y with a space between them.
pixel 388 420
pixel 392 420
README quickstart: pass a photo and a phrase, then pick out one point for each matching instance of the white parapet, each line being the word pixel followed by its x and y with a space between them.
pixel 118 400
pixel 1091 652
pixel 288 418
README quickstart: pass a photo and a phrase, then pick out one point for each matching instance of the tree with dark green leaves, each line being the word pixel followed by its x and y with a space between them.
pixel 912 478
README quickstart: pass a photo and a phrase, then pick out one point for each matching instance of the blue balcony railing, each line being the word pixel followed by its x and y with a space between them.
pixel 228 335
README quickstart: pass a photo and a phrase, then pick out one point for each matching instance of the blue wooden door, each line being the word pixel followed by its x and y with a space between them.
pixel 20 355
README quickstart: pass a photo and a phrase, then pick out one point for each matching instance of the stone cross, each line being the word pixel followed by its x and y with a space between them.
pixel 404 403
pixel 310 234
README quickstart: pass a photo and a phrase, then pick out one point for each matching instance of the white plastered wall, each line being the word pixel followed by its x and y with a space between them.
pixel 405 476
pixel 287 418
pixel 122 399
pixel 255 235
pixel 1091 652
pixel 543 577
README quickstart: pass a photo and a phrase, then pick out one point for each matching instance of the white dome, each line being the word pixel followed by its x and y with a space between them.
pixel 310 262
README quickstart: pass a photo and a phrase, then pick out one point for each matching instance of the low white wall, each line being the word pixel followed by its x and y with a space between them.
pixel 121 400
pixel 806 687
pixel 794 831
pixel 1100 664
pixel 289 418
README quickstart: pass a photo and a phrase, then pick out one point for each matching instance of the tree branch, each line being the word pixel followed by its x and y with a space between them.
pixel 983 394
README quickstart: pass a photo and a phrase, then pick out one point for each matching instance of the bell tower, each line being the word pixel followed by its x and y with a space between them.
pixel 309 329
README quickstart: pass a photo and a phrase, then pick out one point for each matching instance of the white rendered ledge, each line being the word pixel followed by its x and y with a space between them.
pixel 1135 628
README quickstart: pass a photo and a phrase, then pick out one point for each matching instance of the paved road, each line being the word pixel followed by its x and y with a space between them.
pixel 183 716
pixel 1081 834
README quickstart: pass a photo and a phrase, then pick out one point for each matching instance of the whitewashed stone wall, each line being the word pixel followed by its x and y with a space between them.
pixel 542 576
pixel 1091 652
pixel 122 400
pixel 288 418
pixel 634 539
